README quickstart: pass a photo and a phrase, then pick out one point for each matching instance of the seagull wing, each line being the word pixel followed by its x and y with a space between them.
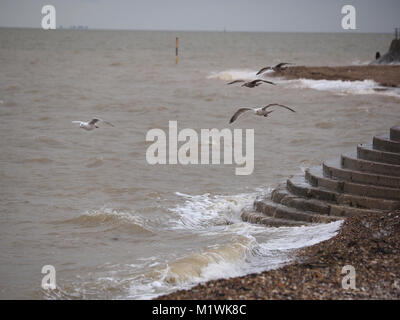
pixel 235 81
pixel 277 104
pixel 278 66
pixel 238 113
pixel 255 81
pixel 268 82
pixel 95 120
pixel 262 70
pixel 109 123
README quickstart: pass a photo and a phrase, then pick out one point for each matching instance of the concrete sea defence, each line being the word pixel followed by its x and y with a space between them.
pixel 366 181
pixel 364 189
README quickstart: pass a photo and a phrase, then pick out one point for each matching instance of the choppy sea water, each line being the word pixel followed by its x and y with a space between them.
pixel 114 226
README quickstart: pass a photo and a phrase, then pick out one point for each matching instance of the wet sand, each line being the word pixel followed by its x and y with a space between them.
pixel 385 75
pixel 370 243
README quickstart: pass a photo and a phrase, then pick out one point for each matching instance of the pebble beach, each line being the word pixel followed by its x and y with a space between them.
pixel 369 243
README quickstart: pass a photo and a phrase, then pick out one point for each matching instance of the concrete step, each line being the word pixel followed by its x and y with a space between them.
pixel 395 133
pixel 350 161
pixel 257 217
pixel 300 187
pixel 276 210
pixel 333 169
pixel 366 152
pixel 321 207
pixel 283 196
pixel 316 178
pixel 385 144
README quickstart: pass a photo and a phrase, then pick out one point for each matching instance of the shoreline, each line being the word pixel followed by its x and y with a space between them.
pixel 370 243
pixel 385 75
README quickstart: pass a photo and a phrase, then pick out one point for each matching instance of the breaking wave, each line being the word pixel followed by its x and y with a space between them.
pixel 242 247
pixel 247 248
pixel 260 250
pixel 110 218
pixel 336 86
pixel 345 87
pixel 234 74
pixel 204 211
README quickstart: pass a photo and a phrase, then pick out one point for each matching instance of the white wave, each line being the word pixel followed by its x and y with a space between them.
pixel 361 63
pixel 252 248
pixel 234 74
pixel 344 86
pixel 266 249
pixel 206 211
pixel 244 248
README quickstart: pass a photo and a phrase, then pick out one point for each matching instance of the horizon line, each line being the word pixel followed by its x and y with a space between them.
pixel 196 30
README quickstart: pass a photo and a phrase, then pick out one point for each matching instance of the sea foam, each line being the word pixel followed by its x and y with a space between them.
pixel 234 74
pixel 343 87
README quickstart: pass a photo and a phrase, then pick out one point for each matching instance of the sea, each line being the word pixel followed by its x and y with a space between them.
pixel 114 226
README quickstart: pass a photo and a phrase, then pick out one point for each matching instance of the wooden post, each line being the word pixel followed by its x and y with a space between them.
pixel 176 50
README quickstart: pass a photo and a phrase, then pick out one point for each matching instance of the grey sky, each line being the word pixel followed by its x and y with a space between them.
pixel 234 15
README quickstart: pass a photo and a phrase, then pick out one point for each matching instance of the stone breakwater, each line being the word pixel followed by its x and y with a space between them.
pixel 366 181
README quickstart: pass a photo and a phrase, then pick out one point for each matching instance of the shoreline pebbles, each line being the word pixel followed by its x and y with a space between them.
pixel 370 243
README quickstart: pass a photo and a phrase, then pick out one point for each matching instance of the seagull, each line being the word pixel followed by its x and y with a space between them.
pixel 92 124
pixel 276 68
pixel 262 111
pixel 255 83
pixel 251 84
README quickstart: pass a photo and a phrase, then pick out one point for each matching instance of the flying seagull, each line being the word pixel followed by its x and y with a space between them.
pixel 92 124
pixel 258 111
pixel 276 68
pixel 255 83
pixel 251 84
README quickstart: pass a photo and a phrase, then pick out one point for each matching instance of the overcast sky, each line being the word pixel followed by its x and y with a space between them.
pixel 233 15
